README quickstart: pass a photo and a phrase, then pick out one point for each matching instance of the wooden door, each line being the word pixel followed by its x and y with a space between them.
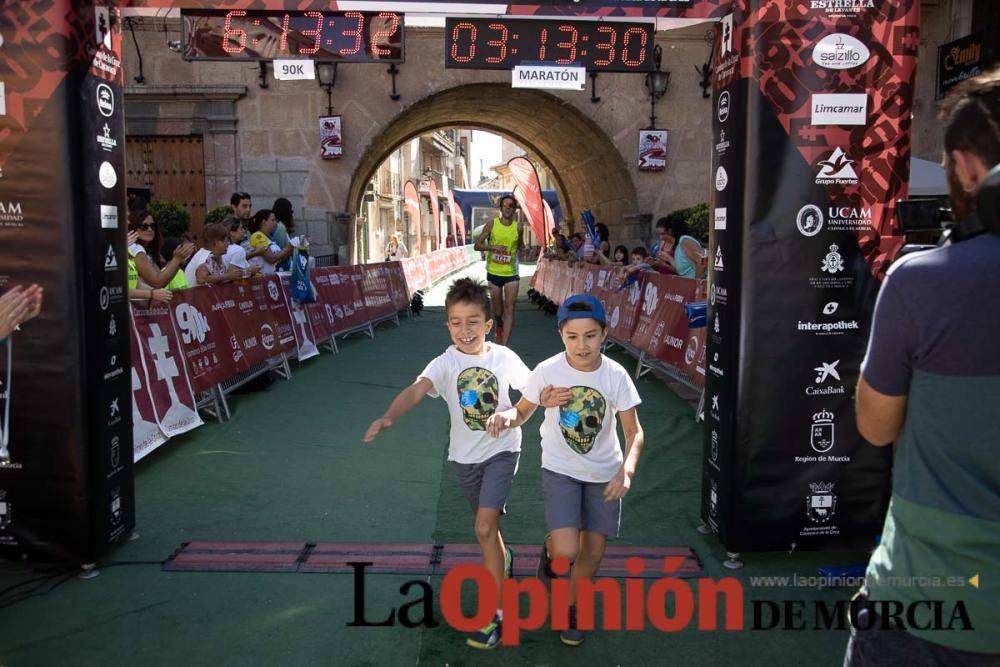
pixel 172 167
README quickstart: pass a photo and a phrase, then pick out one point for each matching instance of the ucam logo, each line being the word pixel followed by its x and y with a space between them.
pixel 194 325
pixel 839 51
pixel 809 220
pixel 849 218
pixel 837 169
pixel 839 109
pixel 11 214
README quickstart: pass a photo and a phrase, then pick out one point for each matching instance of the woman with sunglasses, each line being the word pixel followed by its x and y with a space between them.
pixel 145 252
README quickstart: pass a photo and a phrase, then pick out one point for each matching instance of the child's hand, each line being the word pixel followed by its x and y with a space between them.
pixel 377 427
pixel 553 397
pixel 618 486
pixel 497 424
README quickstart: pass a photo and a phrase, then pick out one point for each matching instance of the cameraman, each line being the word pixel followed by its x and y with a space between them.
pixel 930 383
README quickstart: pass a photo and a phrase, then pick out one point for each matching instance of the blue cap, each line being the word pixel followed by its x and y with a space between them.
pixel 594 310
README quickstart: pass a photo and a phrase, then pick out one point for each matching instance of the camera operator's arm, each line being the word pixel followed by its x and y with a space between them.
pixel 885 373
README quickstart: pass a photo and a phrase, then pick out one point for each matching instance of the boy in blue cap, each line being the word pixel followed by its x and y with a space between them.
pixel 585 475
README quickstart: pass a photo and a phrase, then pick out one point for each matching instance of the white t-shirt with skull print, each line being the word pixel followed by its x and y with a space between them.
pixel 580 439
pixel 476 386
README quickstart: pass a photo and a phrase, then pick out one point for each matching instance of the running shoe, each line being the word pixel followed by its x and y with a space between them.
pixel 486 637
pixel 571 636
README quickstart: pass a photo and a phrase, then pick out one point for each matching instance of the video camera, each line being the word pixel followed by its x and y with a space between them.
pixel 925 222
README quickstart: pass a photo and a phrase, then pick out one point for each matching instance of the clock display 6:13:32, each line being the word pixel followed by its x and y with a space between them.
pixel 502 43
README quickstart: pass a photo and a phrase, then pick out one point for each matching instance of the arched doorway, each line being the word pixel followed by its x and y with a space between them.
pixel 587 167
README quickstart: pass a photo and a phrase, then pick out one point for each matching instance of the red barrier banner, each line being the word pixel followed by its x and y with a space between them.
pixel 146 433
pixel 305 338
pixel 340 288
pixel 694 356
pixel 212 353
pixel 166 378
pixel 376 292
pixel 260 321
pixel 624 313
pixel 670 334
pixel 415 270
pixel 397 286
pixel 321 317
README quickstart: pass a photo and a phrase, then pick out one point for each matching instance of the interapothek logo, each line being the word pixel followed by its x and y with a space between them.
pixel 839 51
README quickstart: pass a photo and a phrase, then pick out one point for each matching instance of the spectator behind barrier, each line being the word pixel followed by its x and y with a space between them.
pixel 269 255
pixel 214 270
pixel 145 252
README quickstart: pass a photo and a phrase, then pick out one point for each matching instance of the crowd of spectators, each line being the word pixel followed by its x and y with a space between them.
pixel 241 247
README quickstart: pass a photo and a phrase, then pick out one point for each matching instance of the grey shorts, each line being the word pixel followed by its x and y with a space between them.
pixel 570 503
pixel 487 484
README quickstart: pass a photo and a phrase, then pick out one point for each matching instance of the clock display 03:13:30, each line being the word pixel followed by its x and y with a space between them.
pixel 502 43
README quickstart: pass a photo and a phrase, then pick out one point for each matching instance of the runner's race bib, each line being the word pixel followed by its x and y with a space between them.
pixel 501 257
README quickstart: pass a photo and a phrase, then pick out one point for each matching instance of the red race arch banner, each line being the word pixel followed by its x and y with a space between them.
pixel 436 214
pixel 411 201
pixel 458 219
pixel 528 194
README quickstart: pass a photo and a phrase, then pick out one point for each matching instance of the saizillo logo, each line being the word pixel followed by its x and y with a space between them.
pixel 840 51
pixel 837 169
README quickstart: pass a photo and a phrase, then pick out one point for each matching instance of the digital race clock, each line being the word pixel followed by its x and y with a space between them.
pixel 502 43
pixel 239 34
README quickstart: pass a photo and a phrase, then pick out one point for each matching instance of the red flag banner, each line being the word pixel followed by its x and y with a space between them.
pixel 305 338
pixel 411 202
pixel 529 194
pixel 436 211
pixel 146 433
pixel 166 378
pixel 457 218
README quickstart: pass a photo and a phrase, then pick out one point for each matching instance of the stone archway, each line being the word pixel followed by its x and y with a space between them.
pixel 588 169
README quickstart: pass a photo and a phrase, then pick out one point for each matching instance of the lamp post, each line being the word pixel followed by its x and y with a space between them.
pixel 326 73
pixel 657 83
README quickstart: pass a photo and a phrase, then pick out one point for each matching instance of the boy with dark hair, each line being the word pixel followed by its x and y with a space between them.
pixel 474 378
pixel 584 473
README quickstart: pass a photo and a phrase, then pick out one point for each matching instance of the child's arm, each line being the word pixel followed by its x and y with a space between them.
pixel 512 418
pixel 620 484
pixel 400 405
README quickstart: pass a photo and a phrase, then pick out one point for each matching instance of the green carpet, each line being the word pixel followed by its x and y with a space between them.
pixel 291 466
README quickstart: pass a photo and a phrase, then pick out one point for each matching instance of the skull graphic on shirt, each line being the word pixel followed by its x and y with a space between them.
pixel 478 389
pixel 581 418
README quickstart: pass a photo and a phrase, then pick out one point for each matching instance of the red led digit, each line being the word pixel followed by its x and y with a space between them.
pixel 283 41
pixel 356 33
pixel 387 33
pixel 541 43
pixel 315 33
pixel 228 33
pixel 499 43
pixel 642 46
pixel 608 46
pixel 454 42
pixel 571 45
